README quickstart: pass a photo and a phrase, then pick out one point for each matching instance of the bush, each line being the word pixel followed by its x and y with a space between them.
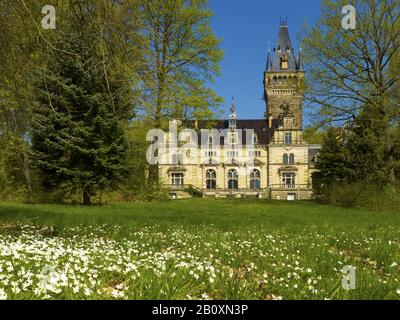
pixel 361 195
pixel 345 195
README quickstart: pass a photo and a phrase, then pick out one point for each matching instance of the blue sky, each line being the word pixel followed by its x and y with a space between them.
pixel 246 27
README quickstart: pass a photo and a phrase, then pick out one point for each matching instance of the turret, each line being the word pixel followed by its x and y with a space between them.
pixel 282 78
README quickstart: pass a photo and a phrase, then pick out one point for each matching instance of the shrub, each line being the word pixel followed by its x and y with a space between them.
pixel 345 195
pixel 361 195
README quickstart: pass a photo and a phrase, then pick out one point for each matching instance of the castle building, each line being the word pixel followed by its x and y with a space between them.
pixel 264 158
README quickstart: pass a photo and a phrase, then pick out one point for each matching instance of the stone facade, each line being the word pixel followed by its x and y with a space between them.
pixel 272 160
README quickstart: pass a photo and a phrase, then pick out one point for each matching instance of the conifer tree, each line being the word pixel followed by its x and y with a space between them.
pixel 332 163
pixel 82 108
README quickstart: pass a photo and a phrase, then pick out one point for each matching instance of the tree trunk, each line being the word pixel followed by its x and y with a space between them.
pixel 388 155
pixel 153 177
pixel 27 173
pixel 86 197
pixel 162 52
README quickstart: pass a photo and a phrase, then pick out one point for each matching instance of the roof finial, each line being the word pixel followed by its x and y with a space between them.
pixel 269 56
pixel 232 114
pixel 300 66
pixel 284 22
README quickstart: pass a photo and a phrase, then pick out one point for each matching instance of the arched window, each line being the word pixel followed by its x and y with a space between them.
pixel 285 159
pixel 211 180
pixel 255 180
pixel 291 159
pixel 275 80
pixel 233 180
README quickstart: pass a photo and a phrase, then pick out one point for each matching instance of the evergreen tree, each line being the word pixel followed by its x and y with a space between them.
pixel 332 163
pixel 364 145
pixel 82 108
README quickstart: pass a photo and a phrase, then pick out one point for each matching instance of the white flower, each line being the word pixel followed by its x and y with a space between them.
pixel 398 291
pixel 3 294
pixel 87 292
pixel 205 296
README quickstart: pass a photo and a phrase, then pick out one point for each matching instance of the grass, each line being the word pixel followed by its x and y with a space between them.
pixel 197 249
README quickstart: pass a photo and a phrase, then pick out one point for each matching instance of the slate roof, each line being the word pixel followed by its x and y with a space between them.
pixel 284 46
pixel 260 127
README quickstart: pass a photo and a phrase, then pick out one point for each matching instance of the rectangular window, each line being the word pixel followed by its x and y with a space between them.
pixel 233 138
pixel 288 138
pixel 254 153
pixel 289 180
pixel 232 154
pixel 177 179
pixel 210 154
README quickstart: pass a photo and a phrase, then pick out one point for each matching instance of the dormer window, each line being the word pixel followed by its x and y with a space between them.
pixel 232 124
pixel 284 62
pixel 279 49
pixel 287 49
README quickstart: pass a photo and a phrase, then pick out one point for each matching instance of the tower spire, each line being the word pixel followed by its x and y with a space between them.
pixel 283 57
pixel 232 109
pixel 232 116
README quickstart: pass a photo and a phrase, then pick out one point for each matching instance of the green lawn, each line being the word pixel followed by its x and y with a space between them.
pixel 197 249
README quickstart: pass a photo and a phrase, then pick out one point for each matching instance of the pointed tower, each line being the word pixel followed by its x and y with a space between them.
pixel 282 79
pixel 232 116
